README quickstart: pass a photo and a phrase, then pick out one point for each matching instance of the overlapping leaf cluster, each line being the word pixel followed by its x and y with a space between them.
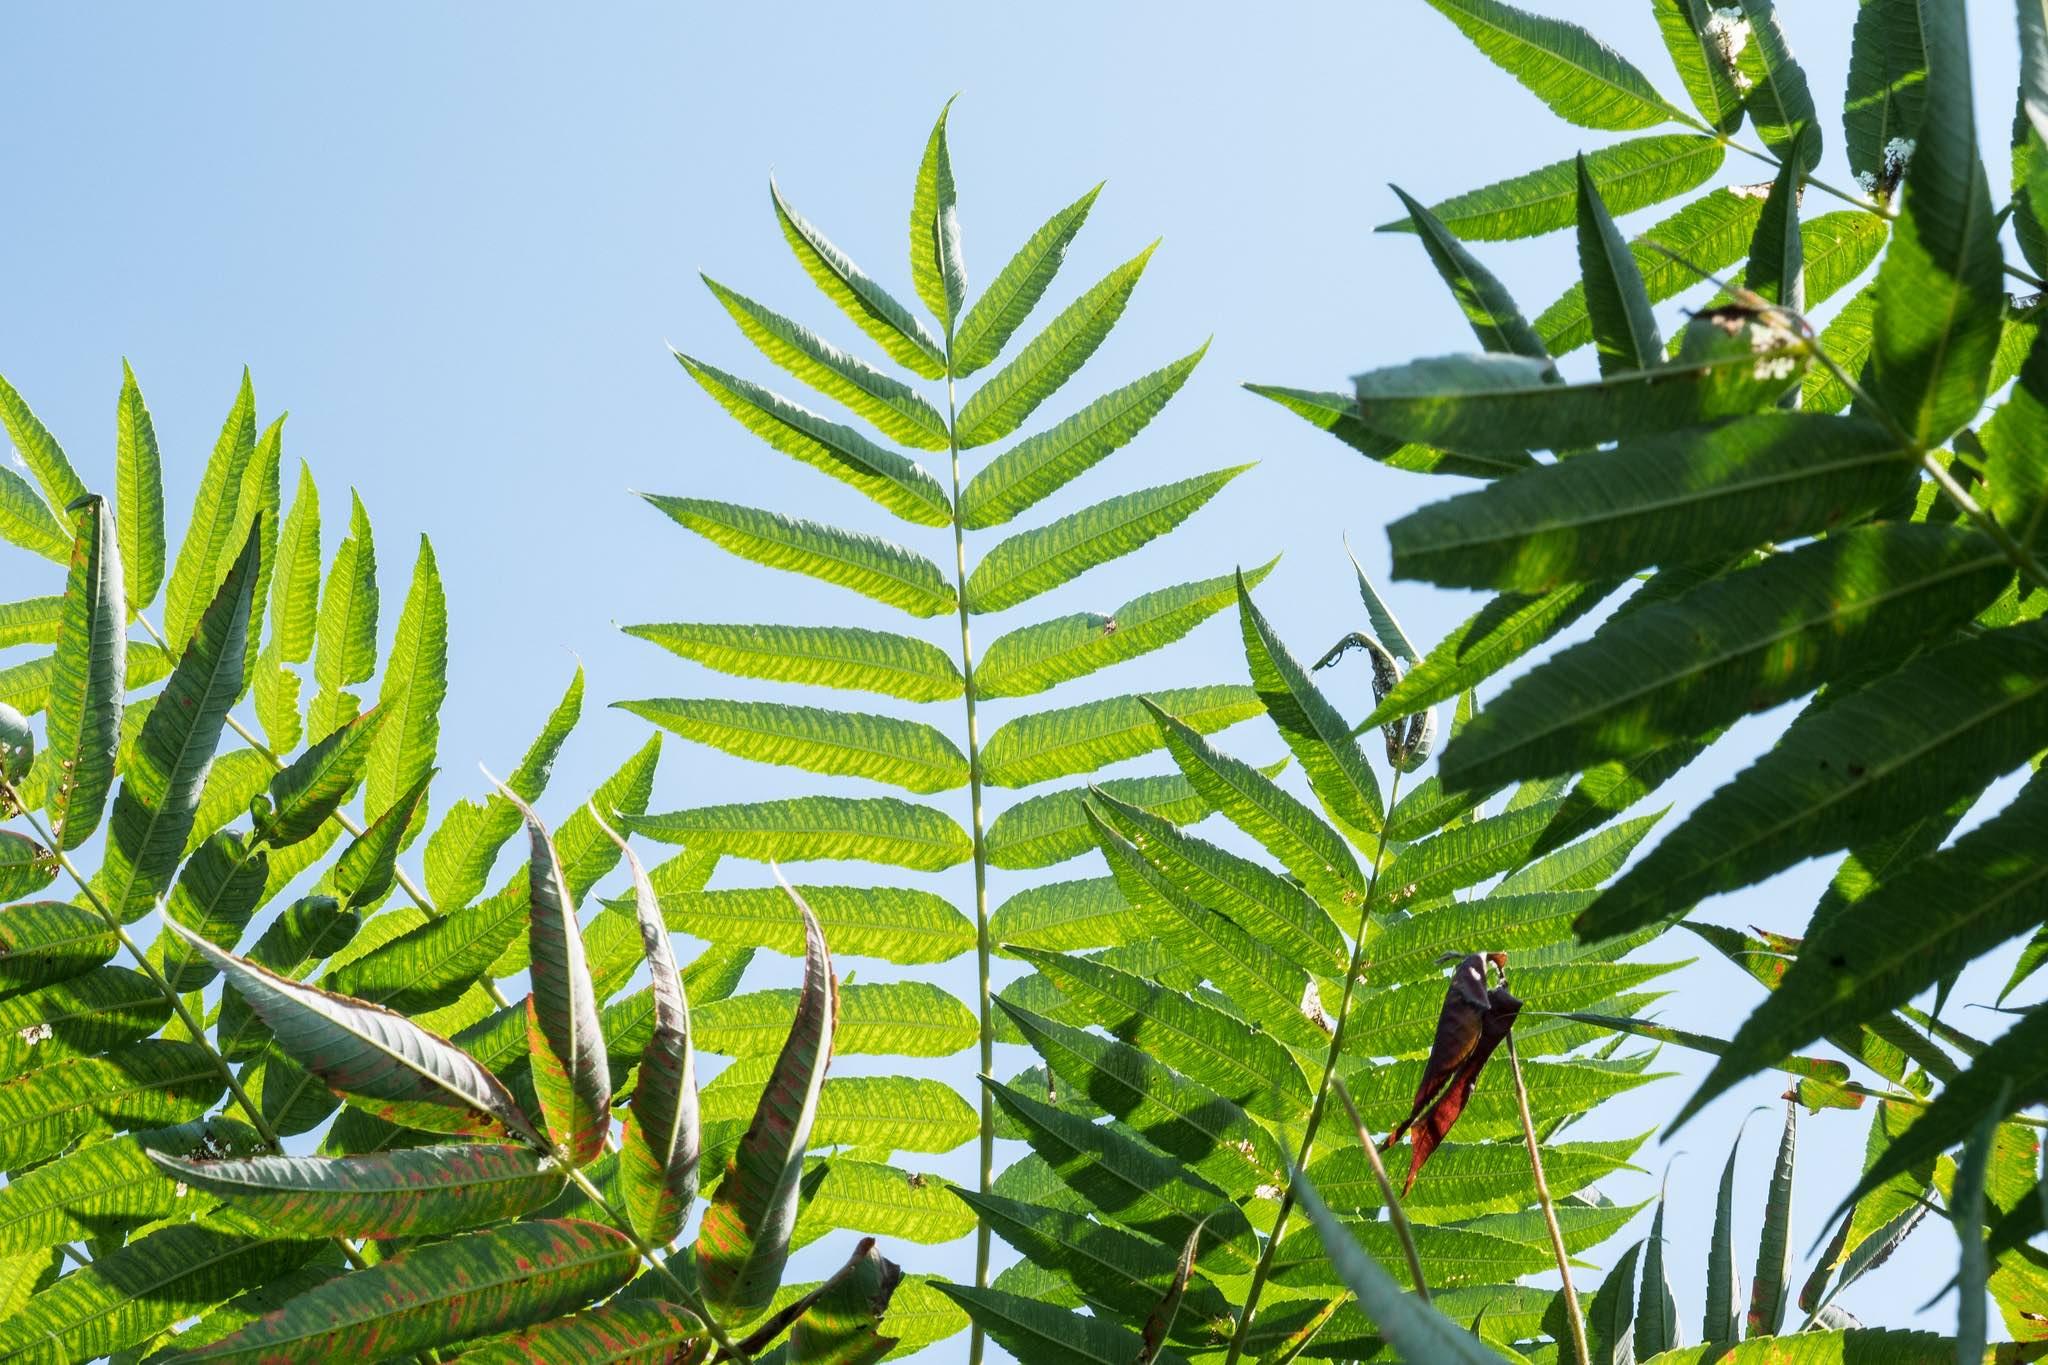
pixel 983 568
pixel 179 1024
pixel 1883 565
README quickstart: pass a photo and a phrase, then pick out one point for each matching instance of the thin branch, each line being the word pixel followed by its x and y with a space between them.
pixel 1573 1313
pixel 1399 1219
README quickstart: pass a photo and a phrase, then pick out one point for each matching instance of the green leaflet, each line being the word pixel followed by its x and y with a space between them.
pixel 571 1072
pixel 1039 1333
pixel 860 298
pixel 888 1113
pixel 1034 658
pixel 1017 288
pixel 1417 1330
pixel 1266 904
pixel 407 1193
pixel 1080 739
pixel 936 268
pixel 309 789
pixel 217 891
pixel 1495 636
pixel 1939 291
pixel 469 1286
pixel 141 1085
pixel 1316 855
pixel 1624 328
pixel 1916 739
pixel 366 868
pixel 1500 402
pixel 902 753
pixel 620 1330
pixel 345 650
pixel 415 685
pixel 1777 99
pixel 2017 464
pixel 1337 413
pixel 1066 916
pixel 895 409
pixel 80 1193
pixel 26 521
pixel 1777 255
pixel 743 1241
pixel 46 941
pixel 1664 500
pixel 662 1148
pixel 1468 1179
pixel 88 678
pixel 1532 928
pixel 214 513
pixel 162 776
pixel 1928 918
pixel 881 1018
pixel 867 564
pixel 99 1009
pixel 1581 79
pixel 820 656
pixel 899 484
pixel 1656 1307
pixel 871 829
pixel 1708 75
pixel 1466 855
pixel 1611 1315
pixel 1036 561
pixel 1492 312
pixel 138 493
pixel 295 583
pixel 1745 642
pixel 1630 175
pixel 1771 1286
pixel 1710 233
pixel 894 924
pixel 1043 830
pixel 39 450
pixel 462 849
pixel 130 1293
pixel 1225 1054
pixel 1131 1184
pixel 1314 730
pixel 1721 1326
pixel 31 621
pixel 1049 360
pixel 258 511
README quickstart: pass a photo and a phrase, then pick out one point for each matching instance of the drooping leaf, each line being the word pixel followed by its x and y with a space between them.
pixel 89 677
pixel 1630 175
pixel 936 267
pixel 1919 738
pixel 371 1052
pixel 901 753
pixel 1079 739
pixel 663 1141
pixel 1939 295
pixel 1676 670
pixel 138 493
pixel 1039 465
pixel 859 297
pixel 744 1239
pixel 1664 500
pixel 869 565
pixel 1002 307
pixel 877 829
pixel 164 774
pixel 1624 329
pixel 1009 396
pixel 438 1294
pixel 819 656
pixel 1580 78
pixel 1031 562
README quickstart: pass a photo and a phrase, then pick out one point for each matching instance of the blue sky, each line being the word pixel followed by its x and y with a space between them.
pixel 457 253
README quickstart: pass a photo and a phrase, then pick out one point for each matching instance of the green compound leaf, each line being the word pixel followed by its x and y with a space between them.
pixel 1081 739
pixel 1050 359
pixel 1580 78
pixel 818 656
pixel 88 677
pixel 868 304
pixel 869 565
pixel 470 1286
pixel 871 829
pixel 1630 175
pixel 1017 288
pixel 902 753
pixel 1038 466
pixel 1036 561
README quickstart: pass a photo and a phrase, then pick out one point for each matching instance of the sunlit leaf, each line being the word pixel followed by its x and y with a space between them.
pixel 902 753
pixel 1000 311
pixel 869 565
pixel 860 298
pixel 88 678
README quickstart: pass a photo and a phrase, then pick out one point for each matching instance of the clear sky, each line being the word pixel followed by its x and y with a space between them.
pixel 456 249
